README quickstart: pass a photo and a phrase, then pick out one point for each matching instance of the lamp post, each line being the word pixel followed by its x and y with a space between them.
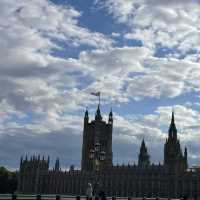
pixel 97 156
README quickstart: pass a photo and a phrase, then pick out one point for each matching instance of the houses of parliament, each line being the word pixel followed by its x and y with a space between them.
pixel 173 178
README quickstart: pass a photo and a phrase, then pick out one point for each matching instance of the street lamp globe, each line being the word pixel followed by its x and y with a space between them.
pixel 102 155
pixel 91 154
pixel 97 147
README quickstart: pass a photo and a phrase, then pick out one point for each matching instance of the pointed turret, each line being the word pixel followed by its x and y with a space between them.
pixel 21 161
pixel 48 160
pixel 172 129
pixel 86 118
pixel 172 119
pixel 57 165
pixel 98 114
pixel 185 157
pixel 143 146
pixel 110 120
pixel 185 153
pixel 143 158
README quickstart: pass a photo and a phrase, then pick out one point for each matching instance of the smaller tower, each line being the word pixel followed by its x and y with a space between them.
pixel 110 119
pixel 57 165
pixel 21 161
pixel 185 158
pixel 98 116
pixel 71 169
pixel 174 161
pixel 143 158
pixel 48 161
pixel 86 118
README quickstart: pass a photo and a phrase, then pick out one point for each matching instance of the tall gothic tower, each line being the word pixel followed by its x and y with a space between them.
pixel 143 158
pixel 174 160
pixel 93 132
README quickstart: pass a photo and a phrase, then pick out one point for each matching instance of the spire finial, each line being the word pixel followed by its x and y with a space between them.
pixel 86 112
pixel 111 113
pixel 185 150
pixel 143 140
pixel 172 127
pixel 98 110
pixel 110 119
pixel 143 157
pixel 57 164
pixel 143 146
pixel 48 161
pixel 172 119
pixel 21 160
pixel 98 113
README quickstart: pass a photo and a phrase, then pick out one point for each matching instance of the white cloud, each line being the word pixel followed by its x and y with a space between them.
pixel 132 72
pixel 114 61
pixel 162 78
pixel 110 70
pixel 44 18
pixel 32 78
pixel 172 24
pixel 115 34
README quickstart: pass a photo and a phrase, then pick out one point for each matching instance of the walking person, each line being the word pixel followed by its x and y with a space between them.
pixel 89 191
pixel 96 190
pixel 102 195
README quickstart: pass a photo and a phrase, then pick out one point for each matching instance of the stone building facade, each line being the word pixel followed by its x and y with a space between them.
pixel 173 178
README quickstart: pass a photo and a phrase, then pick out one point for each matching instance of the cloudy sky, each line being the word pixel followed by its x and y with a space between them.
pixel 143 55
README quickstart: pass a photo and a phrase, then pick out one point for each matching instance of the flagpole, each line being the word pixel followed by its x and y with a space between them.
pixel 97 94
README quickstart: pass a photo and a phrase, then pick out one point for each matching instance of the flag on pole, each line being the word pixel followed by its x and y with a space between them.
pixel 95 94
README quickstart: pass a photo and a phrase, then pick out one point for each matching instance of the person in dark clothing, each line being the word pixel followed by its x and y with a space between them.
pixel 185 197
pixel 89 191
pixel 102 195
pixel 96 189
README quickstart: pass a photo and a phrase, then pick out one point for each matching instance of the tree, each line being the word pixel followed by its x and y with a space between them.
pixel 8 181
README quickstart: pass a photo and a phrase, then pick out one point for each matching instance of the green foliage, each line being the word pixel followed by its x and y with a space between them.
pixel 8 181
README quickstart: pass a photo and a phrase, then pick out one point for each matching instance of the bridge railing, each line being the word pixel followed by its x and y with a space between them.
pixel 67 197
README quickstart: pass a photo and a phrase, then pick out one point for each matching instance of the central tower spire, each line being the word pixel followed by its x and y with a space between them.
pixel 172 128
pixel 98 114
pixel 143 158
